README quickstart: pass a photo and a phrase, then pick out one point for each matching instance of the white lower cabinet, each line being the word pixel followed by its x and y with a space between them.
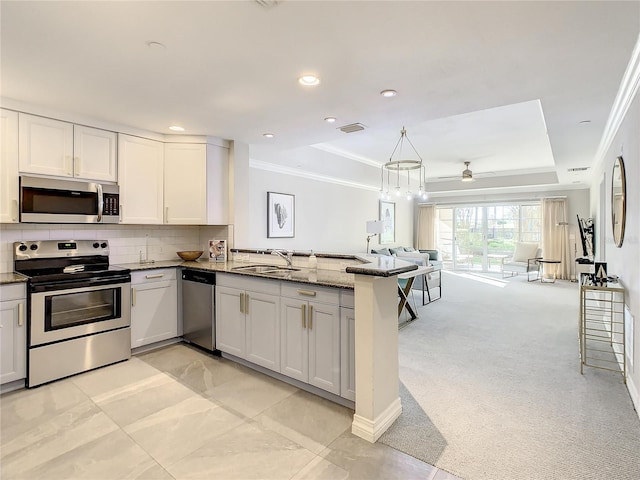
pixel 310 335
pixel 154 306
pixel 248 319
pixel 348 353
pixel 296 329
pixel 230 320
pixel 13 336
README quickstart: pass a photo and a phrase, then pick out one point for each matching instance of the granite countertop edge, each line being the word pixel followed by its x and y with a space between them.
pixel 328 278
pixel 12 277
pixel 371 266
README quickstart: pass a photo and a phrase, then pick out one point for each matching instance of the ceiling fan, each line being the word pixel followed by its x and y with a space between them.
pixel 467 174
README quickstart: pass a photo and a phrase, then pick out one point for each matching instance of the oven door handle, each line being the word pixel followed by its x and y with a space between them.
pixel 100 201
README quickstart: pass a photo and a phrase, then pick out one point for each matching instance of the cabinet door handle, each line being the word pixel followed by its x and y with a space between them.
pixel 120 213
pixel 15 211
pixel 304 315
pixel 242 303
pixel 310 317
pixel 166 214
pixel 133 297
pixel 309 293
pixel 246 303
pixel 155 275
pixel 76 166
pixel 20 314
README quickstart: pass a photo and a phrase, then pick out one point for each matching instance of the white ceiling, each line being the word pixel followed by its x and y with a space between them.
pixel 504 85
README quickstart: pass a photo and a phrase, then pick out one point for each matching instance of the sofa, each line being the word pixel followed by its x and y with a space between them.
pixel 419 257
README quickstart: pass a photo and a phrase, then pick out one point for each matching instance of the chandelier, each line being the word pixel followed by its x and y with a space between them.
pixel 394 168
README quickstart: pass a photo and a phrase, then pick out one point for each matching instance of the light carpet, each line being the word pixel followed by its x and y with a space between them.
pixel 491 387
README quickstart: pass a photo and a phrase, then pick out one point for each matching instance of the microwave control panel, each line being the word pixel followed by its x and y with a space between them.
pixel 111 204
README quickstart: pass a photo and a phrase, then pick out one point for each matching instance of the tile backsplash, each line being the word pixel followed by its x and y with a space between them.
pixel 127 243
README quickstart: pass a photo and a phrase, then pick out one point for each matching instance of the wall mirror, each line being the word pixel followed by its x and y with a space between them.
pixel 618 207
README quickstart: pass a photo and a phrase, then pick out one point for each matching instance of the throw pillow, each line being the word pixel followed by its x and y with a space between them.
pixel 396 250
pixel 381 251
pixel 524 251
pixel 433 254
pixel 409 249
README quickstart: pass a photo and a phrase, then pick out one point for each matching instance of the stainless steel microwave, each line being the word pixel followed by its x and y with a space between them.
pixel 50 200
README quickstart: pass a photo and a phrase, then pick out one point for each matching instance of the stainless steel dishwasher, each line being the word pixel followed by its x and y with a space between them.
pixel 198 308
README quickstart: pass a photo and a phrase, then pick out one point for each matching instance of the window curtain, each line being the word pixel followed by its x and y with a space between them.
pixel 426 228
pixel 555 235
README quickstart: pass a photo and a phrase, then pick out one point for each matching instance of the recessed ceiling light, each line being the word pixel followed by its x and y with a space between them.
pixel 388 93
pixel 176 128
pixel 309 80
pixel 268 135
pixel 330 119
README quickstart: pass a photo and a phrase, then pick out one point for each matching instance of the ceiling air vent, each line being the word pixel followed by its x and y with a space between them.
pixel 353 127
pixel 578 169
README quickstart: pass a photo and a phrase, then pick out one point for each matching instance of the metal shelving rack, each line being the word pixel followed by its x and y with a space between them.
pixel 601 328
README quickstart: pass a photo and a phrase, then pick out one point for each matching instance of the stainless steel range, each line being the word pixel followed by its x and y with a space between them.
pixel 79 307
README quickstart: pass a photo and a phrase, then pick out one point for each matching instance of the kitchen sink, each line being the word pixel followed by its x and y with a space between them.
pixel 267 269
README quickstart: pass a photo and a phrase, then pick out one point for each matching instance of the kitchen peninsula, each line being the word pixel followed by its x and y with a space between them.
pixel 374 282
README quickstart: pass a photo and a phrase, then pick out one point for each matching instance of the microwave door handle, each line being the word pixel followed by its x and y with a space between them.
pixel 100 202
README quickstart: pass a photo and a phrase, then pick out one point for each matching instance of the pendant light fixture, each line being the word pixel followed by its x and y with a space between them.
pixel 396 169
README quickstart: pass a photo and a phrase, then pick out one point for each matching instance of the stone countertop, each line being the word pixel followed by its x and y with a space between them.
pixel 330 278
pixel 376 266
pixel 383 266
pixel 11 277
pixel 371 265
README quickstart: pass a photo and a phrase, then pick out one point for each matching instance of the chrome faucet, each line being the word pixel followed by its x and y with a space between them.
pixel 287 255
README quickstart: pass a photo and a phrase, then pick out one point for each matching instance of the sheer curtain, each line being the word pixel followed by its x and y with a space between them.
pixel 555 235
pixel 426 228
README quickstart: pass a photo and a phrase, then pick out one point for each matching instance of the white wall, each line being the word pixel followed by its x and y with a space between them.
pixel 328 217
pixel 624 261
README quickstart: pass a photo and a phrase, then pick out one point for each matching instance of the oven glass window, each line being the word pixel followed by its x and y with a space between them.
pixel 71 309
pixel 44 200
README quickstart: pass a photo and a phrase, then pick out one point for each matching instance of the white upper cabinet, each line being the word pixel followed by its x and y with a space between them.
pixel 141 178
pixel 53 147
pixel 185 183
pixel 46 146
pixel 8 166
pixel 94 154
pixel 217 185
pixel 196 184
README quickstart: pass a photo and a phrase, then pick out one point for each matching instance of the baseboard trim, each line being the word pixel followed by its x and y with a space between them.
pixel 372 430
pixel 633 393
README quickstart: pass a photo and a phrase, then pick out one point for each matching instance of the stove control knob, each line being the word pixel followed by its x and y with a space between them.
pixel 34 246
pixel 22 247
pixel 96 244
pixel 103 244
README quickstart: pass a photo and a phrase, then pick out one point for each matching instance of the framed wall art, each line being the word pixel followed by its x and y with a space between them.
pixel 280 215
pixel 388 217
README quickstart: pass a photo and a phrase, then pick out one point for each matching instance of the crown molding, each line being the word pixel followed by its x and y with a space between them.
pixel 343 153
pixel 625 96
pixel 272 167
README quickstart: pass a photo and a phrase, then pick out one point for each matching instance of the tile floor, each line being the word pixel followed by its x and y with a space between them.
pixel 178 413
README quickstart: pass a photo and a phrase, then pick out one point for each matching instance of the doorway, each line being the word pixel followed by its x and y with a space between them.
pixel 481 237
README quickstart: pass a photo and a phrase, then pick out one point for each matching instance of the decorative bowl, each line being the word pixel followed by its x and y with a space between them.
pixel 190 255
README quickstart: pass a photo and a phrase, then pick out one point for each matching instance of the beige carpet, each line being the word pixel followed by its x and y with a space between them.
pixel 491 388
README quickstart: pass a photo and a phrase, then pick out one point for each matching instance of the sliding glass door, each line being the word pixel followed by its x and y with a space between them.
pixel 481 237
